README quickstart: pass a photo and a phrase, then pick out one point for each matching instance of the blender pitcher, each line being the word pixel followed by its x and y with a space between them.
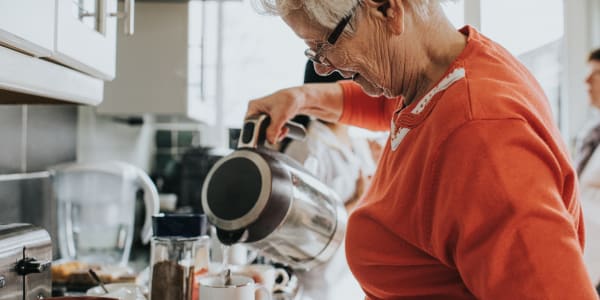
pixel 96 209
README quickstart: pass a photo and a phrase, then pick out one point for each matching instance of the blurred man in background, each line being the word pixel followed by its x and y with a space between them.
pixel 587 162
pixel 345 164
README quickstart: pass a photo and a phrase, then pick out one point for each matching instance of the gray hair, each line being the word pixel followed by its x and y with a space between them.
pixel 328 13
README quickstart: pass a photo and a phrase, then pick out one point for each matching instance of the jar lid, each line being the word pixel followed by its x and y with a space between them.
pixel 179 225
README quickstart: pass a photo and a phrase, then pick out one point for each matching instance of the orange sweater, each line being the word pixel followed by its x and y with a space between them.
pixel 478 200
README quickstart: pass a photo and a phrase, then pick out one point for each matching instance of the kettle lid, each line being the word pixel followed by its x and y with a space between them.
pixel 236 190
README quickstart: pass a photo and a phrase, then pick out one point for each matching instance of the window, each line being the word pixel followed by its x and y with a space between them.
pixel 594 10
pixel 260 55
pixel 522 25
pixel 257 64
pixel 455 11
pixel 533 31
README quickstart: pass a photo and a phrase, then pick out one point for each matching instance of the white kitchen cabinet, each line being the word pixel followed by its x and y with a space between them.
pixel 57 50
pixel 32 78
pixel 163 69
pixel 86 36
pixel 28 25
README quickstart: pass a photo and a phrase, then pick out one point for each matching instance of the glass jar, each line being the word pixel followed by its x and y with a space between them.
pixel 179 254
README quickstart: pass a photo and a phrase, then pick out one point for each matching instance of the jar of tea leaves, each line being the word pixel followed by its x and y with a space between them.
pixel 179 254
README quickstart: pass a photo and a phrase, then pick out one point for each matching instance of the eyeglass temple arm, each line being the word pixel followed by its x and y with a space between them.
pixel 335 34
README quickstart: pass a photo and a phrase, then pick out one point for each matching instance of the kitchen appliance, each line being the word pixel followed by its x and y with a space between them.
pixel 25 257
pixel 261 197
pixel 96 209
pixel 272 278
pixel 195 165
pixel 239 288
pixel 179 254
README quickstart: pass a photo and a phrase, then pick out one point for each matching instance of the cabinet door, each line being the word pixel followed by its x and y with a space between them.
pixel 86 36
pixel 28 25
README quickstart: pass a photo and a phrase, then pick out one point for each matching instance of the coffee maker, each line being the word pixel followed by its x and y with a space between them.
pixel 269 202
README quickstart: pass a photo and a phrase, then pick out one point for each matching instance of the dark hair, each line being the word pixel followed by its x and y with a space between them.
pixel 311 76
pixel 595 55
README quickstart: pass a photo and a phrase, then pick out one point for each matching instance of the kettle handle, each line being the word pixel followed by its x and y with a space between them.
pixel 151 202
pixel 254 132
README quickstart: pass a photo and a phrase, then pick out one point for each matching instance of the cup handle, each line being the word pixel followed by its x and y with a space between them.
pixel 285 278
pixel 251 256
pixel 262 289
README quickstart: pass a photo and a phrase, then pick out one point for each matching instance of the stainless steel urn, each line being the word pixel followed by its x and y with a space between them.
pixel 268 201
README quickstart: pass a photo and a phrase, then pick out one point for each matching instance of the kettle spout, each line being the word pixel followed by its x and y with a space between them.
pixel 227 237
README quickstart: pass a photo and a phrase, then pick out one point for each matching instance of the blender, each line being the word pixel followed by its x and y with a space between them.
pixel 96 210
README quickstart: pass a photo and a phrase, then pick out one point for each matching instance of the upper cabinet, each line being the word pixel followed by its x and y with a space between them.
pixel 58 50
pixel 164 68
pixel 28 25
pixel 86 36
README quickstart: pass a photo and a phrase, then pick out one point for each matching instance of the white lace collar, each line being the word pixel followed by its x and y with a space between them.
pixel 398 134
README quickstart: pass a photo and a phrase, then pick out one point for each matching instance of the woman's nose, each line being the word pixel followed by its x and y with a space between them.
pixel 323 70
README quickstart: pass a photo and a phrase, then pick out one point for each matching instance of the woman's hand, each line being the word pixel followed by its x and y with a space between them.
pixel 281 106
pixel 320 100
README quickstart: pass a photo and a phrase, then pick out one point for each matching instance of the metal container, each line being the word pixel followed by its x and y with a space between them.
pixel 25 258
pixel 268 201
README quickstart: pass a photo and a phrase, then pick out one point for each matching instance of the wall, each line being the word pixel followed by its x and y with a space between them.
pixel 102 137
pixel 545 64
pixel 33 138
pixel 594 22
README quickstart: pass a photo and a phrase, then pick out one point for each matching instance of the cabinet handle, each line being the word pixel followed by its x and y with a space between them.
pixel 128 16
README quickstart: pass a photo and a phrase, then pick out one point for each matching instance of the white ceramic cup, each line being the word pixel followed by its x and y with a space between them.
pixel 121 291
pixel 241 288
pixel 264 274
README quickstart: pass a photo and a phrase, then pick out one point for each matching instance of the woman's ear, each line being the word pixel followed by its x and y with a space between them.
pixel 389 11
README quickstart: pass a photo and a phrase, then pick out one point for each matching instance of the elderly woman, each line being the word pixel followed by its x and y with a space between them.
pixel 474 196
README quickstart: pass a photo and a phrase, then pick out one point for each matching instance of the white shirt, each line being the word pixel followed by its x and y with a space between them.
pixel 338 166
pixel 330 160
pixel 589 187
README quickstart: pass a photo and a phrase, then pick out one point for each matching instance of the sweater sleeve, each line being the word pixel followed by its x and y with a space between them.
pixel 505 216
pixel 364 111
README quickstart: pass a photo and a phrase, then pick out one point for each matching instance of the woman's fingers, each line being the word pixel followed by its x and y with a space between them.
pixel 281 106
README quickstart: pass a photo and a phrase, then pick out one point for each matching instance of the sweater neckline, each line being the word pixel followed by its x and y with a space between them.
pixel 407 117
pixel 421 108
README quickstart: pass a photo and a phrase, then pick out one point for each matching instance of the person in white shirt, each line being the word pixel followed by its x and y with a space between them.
pixel 345 164
pixel 587 163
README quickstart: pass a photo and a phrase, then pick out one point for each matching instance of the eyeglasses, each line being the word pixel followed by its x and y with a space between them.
pixel 317 55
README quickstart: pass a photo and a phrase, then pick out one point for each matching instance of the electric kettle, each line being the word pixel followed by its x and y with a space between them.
pixel 96 209
pixel 268 201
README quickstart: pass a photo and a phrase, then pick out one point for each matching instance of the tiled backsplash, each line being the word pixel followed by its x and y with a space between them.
pixel 10 196
pixel 33 138
pixel 11 129
pixel 51 136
